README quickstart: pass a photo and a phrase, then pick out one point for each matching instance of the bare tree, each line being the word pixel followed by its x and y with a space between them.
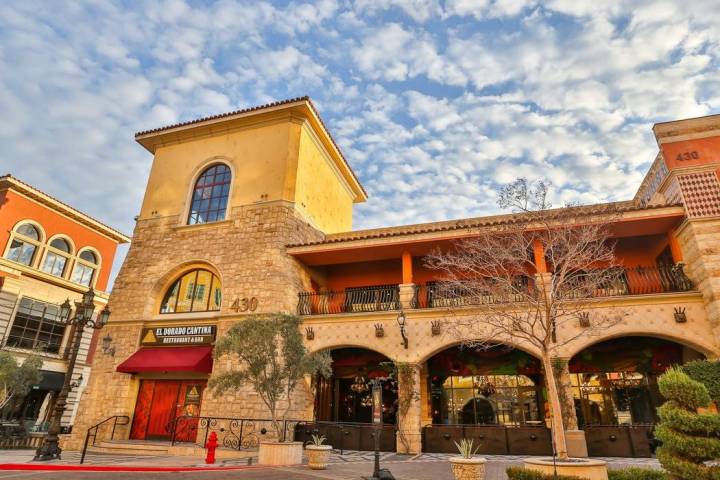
pixel 532 281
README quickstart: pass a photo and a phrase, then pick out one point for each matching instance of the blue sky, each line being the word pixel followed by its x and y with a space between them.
pixel 434 103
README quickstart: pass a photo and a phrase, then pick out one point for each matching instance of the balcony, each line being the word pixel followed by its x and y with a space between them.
pixel 628 281
pixel 352 300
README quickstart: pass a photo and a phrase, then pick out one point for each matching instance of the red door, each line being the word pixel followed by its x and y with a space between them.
pixel 155 409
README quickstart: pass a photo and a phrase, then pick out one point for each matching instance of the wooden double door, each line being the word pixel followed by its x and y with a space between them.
pixel 160 403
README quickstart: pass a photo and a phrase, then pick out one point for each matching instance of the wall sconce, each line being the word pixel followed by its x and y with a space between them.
pixel 401 321
pixel 679 315
pixel 309 333
pixel 106 348
pixel 584 318
pixel 76 383
pixel 379 330
pixel 435 328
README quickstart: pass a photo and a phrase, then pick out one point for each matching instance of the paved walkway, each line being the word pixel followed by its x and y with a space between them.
pixel 349 466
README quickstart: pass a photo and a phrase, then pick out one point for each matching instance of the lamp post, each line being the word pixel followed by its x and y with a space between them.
pixel 377 423
pixel 84 310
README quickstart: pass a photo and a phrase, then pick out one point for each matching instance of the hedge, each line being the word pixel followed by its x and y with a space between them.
pixel 707 373
pixel 518 473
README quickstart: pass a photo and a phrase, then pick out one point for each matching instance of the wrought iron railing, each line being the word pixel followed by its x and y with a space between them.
pixel 435 295
pixel 233 433
pixel 115 421
pixel 356 299
pixel 633 281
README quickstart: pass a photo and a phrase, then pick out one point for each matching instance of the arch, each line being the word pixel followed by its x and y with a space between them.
pixel 209 202
pixel 25 242
pixel 194 290
pixel 85 272
pixel 58 254
pixel 706 349
pixel 455 343
pixel 319 347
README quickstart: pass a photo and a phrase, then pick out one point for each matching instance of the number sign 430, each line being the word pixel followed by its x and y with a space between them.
pixel 245 304
pixel 685 156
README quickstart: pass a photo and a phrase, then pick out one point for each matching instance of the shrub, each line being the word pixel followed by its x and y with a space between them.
pixel 519 473
pixel 707 373
pixel 637 474
pixel 689 439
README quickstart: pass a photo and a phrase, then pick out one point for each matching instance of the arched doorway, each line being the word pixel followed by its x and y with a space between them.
pixel 343 402
pixel 614 388
pixel 345 396
pixel 494 395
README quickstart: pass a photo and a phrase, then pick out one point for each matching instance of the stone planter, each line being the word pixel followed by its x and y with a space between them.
pixel 578 467
pixel 468 468
pixel 280 453
pixel 317 456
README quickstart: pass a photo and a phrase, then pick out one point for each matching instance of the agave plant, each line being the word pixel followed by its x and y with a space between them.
pixel 317 440
pixel 465 447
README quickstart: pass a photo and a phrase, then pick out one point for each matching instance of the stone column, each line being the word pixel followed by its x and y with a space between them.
pixel 407 296
pixel 576 445
pixel 409 435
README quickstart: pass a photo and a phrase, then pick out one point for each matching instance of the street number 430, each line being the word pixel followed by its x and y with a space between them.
pixel 685 156
pixel 245 304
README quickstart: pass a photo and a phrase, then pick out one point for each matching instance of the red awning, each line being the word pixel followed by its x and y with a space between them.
pixel 169 359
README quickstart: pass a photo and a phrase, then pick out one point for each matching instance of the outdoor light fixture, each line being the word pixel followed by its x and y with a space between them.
pixel 401 321
pixel 106 348
pixel 50 448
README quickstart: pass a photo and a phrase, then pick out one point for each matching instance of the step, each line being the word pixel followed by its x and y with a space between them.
pixel 126 448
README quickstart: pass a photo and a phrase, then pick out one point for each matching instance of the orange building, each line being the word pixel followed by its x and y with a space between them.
pixel 251 211
pixel 50 252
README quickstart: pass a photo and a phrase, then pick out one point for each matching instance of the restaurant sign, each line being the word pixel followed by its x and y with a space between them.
pixel 178 335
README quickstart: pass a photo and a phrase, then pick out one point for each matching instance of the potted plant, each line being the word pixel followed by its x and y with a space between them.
pixel 466 466
pixel 269 355
pixel 317 452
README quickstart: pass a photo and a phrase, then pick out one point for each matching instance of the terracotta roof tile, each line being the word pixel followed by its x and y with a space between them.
pixel 475 222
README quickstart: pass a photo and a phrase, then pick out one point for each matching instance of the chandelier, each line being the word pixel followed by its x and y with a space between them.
pixel 359 385
pixel 484 387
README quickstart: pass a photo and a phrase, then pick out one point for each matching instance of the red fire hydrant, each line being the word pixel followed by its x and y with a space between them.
pixel 211 445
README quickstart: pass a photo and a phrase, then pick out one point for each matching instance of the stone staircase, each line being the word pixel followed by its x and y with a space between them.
pixel 159 448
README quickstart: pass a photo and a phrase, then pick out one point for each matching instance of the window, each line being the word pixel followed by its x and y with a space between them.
pixel 24 244
pixel 37 326
pixel 196 291
pixel 85 267
pixel 56 257
pixel 210 195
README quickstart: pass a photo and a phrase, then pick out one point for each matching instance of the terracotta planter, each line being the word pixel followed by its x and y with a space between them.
pixel 468 468
pixel 318 456
pixel 280 453
pixel 578 467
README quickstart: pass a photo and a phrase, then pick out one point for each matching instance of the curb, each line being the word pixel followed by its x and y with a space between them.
pixel 118 468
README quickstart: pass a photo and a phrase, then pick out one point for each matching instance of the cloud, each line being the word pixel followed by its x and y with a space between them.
pixel 434 103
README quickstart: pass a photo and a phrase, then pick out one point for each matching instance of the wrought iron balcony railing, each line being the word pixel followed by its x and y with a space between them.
pixel 433 295
pixel 637 281
pixel 356 299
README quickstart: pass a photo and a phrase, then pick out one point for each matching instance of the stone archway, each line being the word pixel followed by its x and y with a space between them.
pixel 613 387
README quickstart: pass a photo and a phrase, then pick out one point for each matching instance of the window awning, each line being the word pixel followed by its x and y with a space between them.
pixel 169 359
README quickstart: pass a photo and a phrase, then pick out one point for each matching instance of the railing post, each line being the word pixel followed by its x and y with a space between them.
pixel 84 450
pixel 172 438
pixel 207 431
pixel 242 425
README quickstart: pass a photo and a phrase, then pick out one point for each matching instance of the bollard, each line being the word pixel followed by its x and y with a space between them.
pixel 211 445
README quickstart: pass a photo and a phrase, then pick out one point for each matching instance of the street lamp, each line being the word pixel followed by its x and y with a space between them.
pixel 401 321
pixel 84 310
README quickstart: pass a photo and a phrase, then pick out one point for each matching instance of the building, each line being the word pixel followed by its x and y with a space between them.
pixel 50 252
pixel 251 212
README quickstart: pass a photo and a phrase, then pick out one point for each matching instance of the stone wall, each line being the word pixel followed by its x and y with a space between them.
pixel 247 251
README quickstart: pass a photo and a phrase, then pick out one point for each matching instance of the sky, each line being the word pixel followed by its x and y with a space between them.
pixel 434 103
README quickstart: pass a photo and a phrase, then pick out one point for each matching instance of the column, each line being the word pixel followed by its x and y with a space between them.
pixel 576 445
pixel 409 434
pixel 407 287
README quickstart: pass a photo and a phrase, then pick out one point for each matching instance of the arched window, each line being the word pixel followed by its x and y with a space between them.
pixel 210 195
pixel 85 268
pixel 196 291
pixel 24 244
pixel 57 256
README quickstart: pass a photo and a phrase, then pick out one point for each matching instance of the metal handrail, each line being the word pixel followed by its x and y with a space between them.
pixel 94 431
